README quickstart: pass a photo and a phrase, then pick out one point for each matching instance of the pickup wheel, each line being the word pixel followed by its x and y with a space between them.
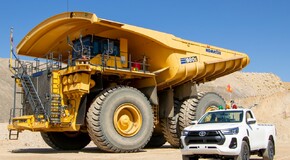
pixel 245 152
pixel 269 152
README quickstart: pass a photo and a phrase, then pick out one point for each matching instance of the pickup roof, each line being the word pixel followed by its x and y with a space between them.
pixel 228 134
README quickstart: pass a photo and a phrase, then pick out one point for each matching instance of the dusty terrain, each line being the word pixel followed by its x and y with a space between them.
pixel 265 89
pixel 30 146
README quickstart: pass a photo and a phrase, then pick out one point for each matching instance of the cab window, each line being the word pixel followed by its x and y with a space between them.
pixel 249 115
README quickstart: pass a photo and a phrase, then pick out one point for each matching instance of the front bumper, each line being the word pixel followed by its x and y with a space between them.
pixel 230 147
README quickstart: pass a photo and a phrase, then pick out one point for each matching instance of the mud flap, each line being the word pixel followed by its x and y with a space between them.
pixel 82 111
pixel 166 102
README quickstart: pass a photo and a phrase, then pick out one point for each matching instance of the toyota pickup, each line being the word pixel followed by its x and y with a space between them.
pixel 228 134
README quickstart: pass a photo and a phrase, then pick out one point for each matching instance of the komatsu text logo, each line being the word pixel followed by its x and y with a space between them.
pixel 213 51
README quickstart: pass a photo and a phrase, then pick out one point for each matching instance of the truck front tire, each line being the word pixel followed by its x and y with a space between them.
pixel 66 140
pixel 120 119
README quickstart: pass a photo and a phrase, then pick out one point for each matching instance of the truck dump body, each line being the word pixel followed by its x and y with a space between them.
pixel 171 59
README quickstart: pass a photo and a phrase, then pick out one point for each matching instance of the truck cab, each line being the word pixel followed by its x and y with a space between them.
pixel 227 134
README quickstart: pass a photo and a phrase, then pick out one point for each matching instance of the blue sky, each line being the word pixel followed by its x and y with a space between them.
pixel 259 28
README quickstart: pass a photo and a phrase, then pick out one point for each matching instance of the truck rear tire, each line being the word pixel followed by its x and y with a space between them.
pixel 245 152
pixel 207 102
pixel 170 127
pixel 193 108
pixel 120 119
pixel 185 157
pixel 269 152
pixel 187 112
pixel 156 141
pixel 66 140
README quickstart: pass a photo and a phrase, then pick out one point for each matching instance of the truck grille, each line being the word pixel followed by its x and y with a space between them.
pixel 204 137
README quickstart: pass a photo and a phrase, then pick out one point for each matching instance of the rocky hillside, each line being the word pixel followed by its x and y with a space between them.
pixel 246 85
pixel 287 85
pixel 6 91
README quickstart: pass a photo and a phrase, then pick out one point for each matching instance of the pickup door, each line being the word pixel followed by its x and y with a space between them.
pixel 256 133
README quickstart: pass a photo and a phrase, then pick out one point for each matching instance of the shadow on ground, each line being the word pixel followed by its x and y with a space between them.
pixel 85 150
pixel 92 150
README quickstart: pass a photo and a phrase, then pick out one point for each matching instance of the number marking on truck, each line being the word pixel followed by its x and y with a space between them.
pixel 188 60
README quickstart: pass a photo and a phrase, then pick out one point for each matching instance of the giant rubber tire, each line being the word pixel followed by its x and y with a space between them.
pixel 66 140
pixel 269 152
pixel 206 100
pixel 156 141
pixel 245 152
pixel 100 120
pixel 187 112
pixel 193 108
pixel 186 157
pixel 170 127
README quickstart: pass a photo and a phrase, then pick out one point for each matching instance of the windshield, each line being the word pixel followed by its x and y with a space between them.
pixel 222 117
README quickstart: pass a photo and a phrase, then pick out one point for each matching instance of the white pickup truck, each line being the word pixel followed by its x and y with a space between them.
pixel 228 134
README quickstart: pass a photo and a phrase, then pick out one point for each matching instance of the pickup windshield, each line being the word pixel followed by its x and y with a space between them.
pixel 222 117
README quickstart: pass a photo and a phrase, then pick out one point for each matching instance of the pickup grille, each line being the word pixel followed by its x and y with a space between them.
pixel 204 137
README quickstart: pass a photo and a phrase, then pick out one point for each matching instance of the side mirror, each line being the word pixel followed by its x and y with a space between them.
pixel 251 121
pixel 193 122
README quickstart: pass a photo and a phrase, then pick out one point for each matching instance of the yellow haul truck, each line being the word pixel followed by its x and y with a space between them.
pixel 121 86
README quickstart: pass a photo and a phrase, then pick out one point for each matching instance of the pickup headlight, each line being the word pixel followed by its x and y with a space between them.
pixel 184 133
pixel 230 131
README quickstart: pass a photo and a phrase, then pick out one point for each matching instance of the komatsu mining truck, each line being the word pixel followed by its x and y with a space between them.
pixel 121 86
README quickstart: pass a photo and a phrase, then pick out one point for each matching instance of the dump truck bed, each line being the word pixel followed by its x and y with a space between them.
pixel 173 60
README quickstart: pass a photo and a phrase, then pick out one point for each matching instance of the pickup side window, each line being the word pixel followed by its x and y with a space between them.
pixel 249 115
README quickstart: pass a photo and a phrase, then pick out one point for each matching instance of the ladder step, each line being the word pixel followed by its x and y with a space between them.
pixel 33 97
pixel 13 134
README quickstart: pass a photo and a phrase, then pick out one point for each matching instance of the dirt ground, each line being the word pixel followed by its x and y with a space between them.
pixel 30 146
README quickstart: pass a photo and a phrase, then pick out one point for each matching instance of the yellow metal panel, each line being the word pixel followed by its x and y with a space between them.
pixel 55 82
pixel 29 123
pixel 109 61
pixel 65 88
pixel 124 52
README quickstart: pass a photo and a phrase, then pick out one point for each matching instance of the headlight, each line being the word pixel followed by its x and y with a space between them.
pixel 230 131
pixel 184 133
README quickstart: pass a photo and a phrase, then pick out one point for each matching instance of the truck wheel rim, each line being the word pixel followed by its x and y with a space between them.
pixel 211 108
pixel 127 120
